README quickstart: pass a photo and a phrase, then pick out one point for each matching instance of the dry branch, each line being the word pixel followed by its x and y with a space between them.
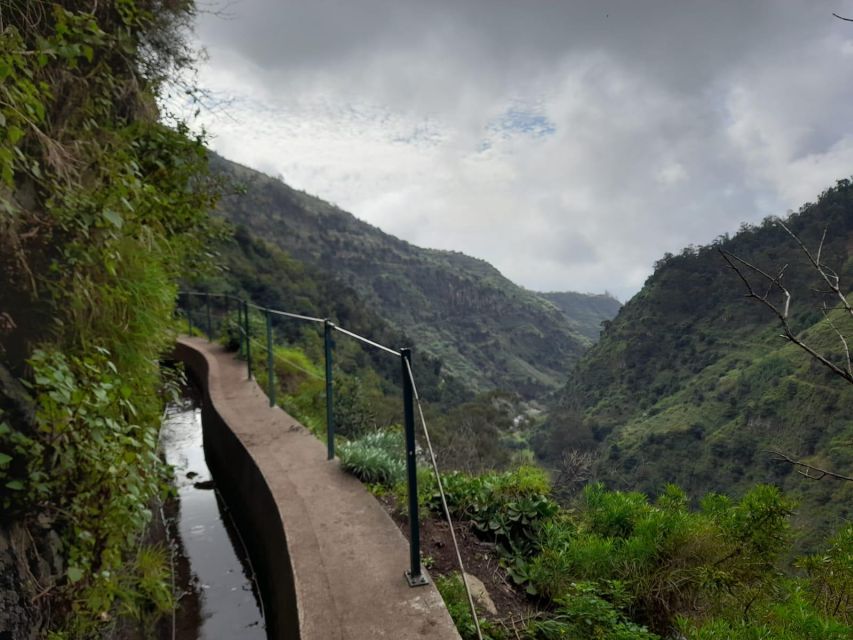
pixel 808 470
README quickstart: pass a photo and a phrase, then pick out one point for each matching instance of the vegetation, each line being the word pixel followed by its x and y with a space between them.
pixel 101 206
pixel 487 332
pixel 617 566
pixel 375 457
pixel 585 311
pixel 692 384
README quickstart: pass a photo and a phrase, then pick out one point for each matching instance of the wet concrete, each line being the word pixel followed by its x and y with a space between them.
pixel 220 600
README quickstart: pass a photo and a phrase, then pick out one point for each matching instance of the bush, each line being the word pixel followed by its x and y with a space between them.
pixel 507 508
pixel 375 458
pixel 667 559
pixel 452 591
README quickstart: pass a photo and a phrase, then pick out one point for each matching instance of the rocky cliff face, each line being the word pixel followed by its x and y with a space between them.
pixel 30 566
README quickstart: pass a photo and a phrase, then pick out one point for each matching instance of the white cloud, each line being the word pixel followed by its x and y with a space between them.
pixel 568 144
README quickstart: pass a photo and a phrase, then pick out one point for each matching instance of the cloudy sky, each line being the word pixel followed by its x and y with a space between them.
pixel 570 143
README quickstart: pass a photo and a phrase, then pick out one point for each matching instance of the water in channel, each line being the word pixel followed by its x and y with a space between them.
pixel 221 601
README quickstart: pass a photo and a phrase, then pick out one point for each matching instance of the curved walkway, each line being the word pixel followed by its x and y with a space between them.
pixel 330 560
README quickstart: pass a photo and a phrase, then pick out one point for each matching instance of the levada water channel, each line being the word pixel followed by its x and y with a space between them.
pixel 219 599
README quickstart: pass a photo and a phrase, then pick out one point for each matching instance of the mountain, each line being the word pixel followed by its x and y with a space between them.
pixel 488 332
pixel 585 311
pixel 691 383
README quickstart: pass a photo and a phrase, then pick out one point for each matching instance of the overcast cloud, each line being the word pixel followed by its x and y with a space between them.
pixel 569 143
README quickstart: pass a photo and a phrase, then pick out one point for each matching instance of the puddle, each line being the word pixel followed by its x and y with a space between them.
pixel 221 601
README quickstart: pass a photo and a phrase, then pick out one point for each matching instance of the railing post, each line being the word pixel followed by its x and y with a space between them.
pixel 414 575
pixel 209 329
pixel 270 367
pixel 330 416
pixel 189 315
pixel 248 338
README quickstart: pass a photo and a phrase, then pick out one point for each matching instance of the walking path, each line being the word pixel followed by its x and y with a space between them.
pixel 346 557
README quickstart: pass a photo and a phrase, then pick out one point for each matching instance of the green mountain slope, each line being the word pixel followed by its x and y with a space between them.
pixel 585 311
pixel 253 269
pixel 488 332
pixel 692 384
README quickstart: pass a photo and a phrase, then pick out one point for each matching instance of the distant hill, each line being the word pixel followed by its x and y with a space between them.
pixel 488 332
pixel 691 383
pixel 586 311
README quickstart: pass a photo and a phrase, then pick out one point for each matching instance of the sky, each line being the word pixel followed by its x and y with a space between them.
pixel 569 143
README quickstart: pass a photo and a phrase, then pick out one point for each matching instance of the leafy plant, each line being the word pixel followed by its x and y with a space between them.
pixel 376 457
pixel 506 508
pixel 452 591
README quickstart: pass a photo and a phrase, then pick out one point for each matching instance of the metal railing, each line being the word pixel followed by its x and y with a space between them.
pixel 414 575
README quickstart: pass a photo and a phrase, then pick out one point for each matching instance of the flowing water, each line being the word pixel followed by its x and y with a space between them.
pixel 221 600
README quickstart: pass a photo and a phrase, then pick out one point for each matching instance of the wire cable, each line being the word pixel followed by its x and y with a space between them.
pixel 366 341
pixel 295 315
pixel 444 501
pixel 285 360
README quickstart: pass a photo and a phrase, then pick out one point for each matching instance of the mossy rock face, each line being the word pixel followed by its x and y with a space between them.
pixel 16 404
pixel 30 557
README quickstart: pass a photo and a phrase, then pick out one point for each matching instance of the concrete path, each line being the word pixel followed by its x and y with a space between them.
pixel 346 556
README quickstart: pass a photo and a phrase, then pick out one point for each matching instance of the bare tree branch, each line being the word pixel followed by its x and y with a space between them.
pixel 775 283
pixel 829 276
pixel 808 470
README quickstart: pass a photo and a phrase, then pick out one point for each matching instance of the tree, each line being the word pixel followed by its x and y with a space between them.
pixel 768 290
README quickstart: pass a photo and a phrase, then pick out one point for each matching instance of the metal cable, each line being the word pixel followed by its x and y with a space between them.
pixel 366 341
pixel 444 501
pixel 285 360
pixel 295 315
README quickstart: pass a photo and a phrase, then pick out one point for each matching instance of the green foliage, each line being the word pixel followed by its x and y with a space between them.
pixel 141 588
pixel 694 379
pixel 506 508
pixel 830 576
pixel 486 332
pixel 583 613
pixel 452 591
pixel 665 558
pixel 376 457
pixel 93 464
pixel 789 616
pixel 101 208
pixel 354 415
pixel 587 312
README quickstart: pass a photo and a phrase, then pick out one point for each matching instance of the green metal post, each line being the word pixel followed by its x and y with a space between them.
pixel 270 368
pixel 209 328
pixel 330 416
pixel 414 575
pixel 248 338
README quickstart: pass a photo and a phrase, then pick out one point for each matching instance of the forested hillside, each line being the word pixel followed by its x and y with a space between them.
pixel 488 332
pixel 692 384
pixel 585 311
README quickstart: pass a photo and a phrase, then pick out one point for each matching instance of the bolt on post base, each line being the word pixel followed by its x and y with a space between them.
pixel 419 580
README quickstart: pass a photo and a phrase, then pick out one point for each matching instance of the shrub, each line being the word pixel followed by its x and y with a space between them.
pixel 668 559
pixel 452 591
pixel 375 458
pixel 507 508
